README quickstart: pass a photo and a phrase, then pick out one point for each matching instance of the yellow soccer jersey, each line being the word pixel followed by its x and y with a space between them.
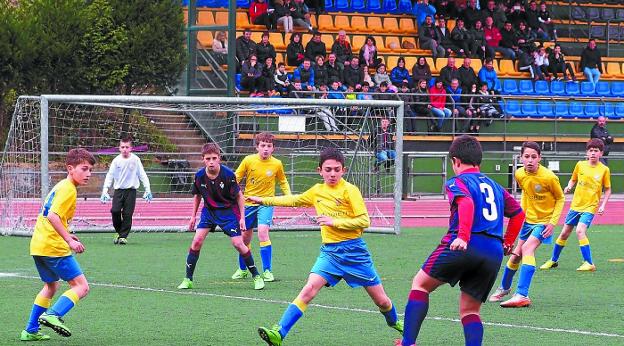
pixel 542 196
pixel 589 184
pixel 343 203
pixel 62 202
pixel 260 176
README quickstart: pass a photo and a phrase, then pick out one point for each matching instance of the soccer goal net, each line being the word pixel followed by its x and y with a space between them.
pixel 168 133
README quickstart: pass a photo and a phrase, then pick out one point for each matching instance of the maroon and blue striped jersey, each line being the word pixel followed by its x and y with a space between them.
pixel 219 193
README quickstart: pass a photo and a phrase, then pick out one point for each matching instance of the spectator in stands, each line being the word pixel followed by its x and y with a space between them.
pixel 267 80
pixel 422 103
pixel 421 10
pixel 429 38
pixel 353 74
pixel 282 82
pixel 421 70
pixel 334 69
pixel 321 75
pixel 326 114
pixel 516 13
pixel 220 48
pixel 301 15
pixel 342 48
pixel 305 73
pixel 315 47
pixel 251 73
pixel 478 45
pixel 557 64
pixel 282 16
pixel 294 51
pixel 400 74
pixel 525 37
pixel 461 37
pixel 368 53
pixel 457 97
pixel 487 106
pixel 467 75
pixel 487 75
pixel 526 62
pixel 471 14
pixel 591 62
pixel 381 75
pixel 533 22
pixel 546 23
pixel 258 14
pixel 445 39
pixel 265 49
pixel 449 72
pixel 599 130
pixel 497 14
pixel 317 5
pixel 541 62
pixel 445 8
pixel 295 88
pixel 365 93
pixel 385 145
pixel 245 46
pixel 409 116
pixel 472 110
pixel 509 40
pixel 438 99
pixel 493 38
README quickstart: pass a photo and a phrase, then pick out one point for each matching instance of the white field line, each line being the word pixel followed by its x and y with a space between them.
pixel 329 307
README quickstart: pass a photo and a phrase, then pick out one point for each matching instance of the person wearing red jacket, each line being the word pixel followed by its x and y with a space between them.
pixel 437 97
pixel 493 37
pixel 259 15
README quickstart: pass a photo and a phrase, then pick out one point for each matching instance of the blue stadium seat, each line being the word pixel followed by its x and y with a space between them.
pixel 617 89
pixel 329 5
pixel 207 3
pixel 512 107
pixel 342 5
pixel 602 89
pixel 405 7
pixel 390 6
pixel 238 81
pixel 525 87
pixel 243 3
pixel 374 6
pixel 561 109
pixel 529 109
pixel 223 3
pixel 557 88
pixel 541 87
pixel 510 87
pixel 587 89
pixel 576 109
pixel 607 109
pixel 545 109
pixel 619 110
pixel 591 109
pixel 358 5
pixel 572 88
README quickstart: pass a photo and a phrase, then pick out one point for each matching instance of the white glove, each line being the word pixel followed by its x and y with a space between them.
pixel 148 196
pixel 105 197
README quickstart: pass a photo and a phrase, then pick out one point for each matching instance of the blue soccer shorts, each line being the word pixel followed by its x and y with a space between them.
pixel 349 260
pixel 258 215
pixel 226 219
pixel 574 217
pixel 535 230
pixel 51 269
pixel 475 269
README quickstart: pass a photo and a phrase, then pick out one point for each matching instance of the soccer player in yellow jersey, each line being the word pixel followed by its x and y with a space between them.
pixel 342 216
pixel 592 177
pixel 51 247
pixel 542 201
pixel 260 172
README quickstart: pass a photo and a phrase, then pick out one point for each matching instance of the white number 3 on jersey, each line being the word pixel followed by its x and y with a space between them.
pixel 490 213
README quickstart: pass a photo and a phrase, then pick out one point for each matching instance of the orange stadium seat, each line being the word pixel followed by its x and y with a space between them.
pixel 221 18
pixel 474 63
pixel 379 41
pixel 242 20
pixel 394 41
pixel 256 36
pixel 205 38
pixel 328 39
pixel 410 61
pixel 341 23
pixel 277 40
pixel 407 25
pixel 374 25
pixel 440 62
pixel 358 42
pixel 432 65
pixel 391 62
pixel 507 68
pixel 391 25
pixel 358 25
pixel 325 23
pixel 611 70
pixel 207 18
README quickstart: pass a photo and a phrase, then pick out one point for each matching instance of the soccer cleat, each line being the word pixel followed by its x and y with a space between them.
pixel 549 265
pixel 26 336
pixel 240 274
pixel 123 241
pixel 499 294
pixel 517 301
pixel 586 267
pixel 186 284
pixel 398 326
pixel 258 282
pixel 56 323
pixel 271 336
pixel 116 239
pixel 267 276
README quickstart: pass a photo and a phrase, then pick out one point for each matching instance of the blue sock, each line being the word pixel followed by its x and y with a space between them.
pixel 473 330
pixel 191 261
pixel 241 262
pixel 40 306
pixel 292 314
pixel 508 274
pixel 559 245
pixel 415 312
pixel 526 275
pixel 585 250
pixel 390 315
pixel 266 253
pixel 65 303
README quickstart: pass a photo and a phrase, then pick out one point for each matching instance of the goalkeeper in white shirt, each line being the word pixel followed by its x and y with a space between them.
pixel 124 174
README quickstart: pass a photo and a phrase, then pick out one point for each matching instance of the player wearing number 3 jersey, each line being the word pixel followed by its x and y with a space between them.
pixel 472 250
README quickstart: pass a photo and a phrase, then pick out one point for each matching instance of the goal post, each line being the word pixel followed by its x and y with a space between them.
pixel 168 133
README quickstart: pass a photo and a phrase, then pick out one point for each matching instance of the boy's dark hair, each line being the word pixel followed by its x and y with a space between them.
pixel 280 64
pixel 126 139
pixel 467 149
pixel 264 137
pixel 383 84
pixel 79 155
pixel 595 143
pixel 211 148
pixel 331 154
pixel 531 145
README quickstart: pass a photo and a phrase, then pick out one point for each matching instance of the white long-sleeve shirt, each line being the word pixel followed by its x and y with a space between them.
pixel 126 173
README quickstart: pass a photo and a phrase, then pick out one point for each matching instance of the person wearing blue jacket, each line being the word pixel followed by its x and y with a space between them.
pixel 421 10
pixel 400 74
pixel 305 73
pixel 487 75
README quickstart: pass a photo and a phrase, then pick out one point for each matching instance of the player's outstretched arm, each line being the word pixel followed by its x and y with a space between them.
pixel 356 222
pixel 305 199
pixel 569 187
pixel 72 240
